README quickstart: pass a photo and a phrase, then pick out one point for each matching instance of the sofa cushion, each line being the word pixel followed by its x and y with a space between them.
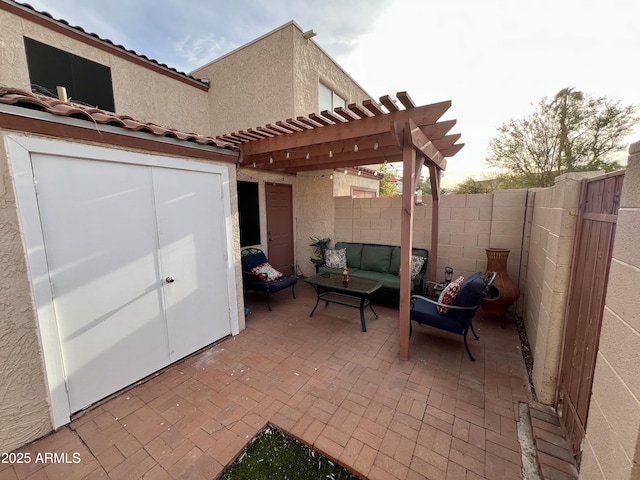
pixel 337 271
pixel 388 280
pixel 376 258
pixel 394 265
pixel 354 252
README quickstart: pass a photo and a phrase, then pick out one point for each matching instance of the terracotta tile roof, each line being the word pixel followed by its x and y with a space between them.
pixel 25 99
pixel 107 41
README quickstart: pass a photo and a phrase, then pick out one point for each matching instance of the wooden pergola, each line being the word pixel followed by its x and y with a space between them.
pixel 364 135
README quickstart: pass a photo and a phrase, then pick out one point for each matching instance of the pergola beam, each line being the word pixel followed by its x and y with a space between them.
pixel 424 145
pixel 424 116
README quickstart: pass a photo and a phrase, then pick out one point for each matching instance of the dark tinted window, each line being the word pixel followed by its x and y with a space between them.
pixel 248 213
pixel 86 81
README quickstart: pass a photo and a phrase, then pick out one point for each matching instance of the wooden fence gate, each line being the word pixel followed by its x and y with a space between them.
pixel 595 232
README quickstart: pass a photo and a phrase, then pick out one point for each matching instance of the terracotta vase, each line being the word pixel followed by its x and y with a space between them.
pixel 507 291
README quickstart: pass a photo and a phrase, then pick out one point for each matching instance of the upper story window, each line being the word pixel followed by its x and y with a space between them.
pixel 328 99
pixel 86 81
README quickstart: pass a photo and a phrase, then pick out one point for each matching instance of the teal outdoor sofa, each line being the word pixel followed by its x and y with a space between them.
pixel 379 262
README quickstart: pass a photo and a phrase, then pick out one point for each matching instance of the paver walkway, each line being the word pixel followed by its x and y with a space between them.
pixel 436 416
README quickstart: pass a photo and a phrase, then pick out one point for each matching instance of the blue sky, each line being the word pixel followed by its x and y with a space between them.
pixel 493 59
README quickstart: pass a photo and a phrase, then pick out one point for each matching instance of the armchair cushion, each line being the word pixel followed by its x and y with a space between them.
pixel 471 290
pixel 427 313
pixel 249 262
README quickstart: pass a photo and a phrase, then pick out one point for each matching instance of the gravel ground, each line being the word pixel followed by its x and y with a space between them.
pixel 526 351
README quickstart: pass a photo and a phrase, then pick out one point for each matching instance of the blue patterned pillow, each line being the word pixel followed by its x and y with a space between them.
pixel 416 266
pixel 335 258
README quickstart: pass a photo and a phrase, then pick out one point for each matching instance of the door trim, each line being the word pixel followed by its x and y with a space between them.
pixel 19 151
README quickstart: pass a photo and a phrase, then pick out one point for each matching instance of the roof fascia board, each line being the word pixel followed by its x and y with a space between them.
pixel 107 129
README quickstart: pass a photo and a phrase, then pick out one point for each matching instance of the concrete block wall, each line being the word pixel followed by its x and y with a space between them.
pixel 552 230
pixel 468 225
pixel 612 444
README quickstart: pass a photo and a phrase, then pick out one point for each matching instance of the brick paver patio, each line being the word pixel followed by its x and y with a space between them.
pixel 345 392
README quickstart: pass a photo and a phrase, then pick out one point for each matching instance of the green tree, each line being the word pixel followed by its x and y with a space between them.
pixel 572 132
pixel 388 181
pixel 471 185
pixel 563 104
pixel 424 184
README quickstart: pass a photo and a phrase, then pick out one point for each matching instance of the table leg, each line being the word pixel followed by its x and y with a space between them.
pixel 362 307
pixel 317 301
pixel 371 307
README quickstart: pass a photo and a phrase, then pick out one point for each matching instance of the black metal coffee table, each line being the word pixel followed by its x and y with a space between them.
pixel 355 293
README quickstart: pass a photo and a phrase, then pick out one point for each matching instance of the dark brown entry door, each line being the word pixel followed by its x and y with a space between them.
pixel 595 232
pixel 280 227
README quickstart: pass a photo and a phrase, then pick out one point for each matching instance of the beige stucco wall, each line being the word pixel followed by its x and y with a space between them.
pixel 274 77
pixel 25 413
pixel 253 85
pixel 612 444
pixel 314 215
pixel 552 233
pixel 313 65
pixel 144 94
pixel 343 183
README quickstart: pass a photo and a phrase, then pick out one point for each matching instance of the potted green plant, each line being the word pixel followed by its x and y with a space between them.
pixel 320 245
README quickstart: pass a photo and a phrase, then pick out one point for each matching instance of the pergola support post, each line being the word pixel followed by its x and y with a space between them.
pixel 434 177
pixel 411 167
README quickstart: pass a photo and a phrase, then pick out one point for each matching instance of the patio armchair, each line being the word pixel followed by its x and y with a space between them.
pixel 258 274
pixel 456 317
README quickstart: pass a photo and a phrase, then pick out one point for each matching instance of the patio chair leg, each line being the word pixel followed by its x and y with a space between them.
pixel 293 292
pixel 474 332
pixel 268 304
pixel 467 347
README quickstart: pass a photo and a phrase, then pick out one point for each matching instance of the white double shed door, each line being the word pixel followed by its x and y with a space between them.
pixel 132 270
